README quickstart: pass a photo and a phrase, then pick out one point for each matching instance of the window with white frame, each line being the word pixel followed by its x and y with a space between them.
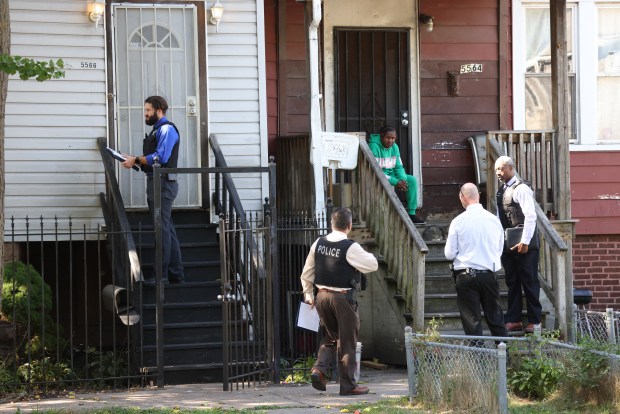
pixel 608 79
pixel 593 41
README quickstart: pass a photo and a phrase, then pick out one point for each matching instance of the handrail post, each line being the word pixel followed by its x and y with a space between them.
pixel 159 288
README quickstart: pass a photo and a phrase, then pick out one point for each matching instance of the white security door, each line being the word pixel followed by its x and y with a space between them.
pixel 155 53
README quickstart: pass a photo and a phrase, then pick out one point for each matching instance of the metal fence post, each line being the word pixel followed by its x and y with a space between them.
pixel 611 326
pixel 502 390
pixel 411 374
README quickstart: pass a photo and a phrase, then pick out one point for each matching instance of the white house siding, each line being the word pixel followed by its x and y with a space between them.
pixel 237 93
pixel 53 167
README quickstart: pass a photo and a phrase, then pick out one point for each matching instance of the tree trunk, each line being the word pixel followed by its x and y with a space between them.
pixel 5 48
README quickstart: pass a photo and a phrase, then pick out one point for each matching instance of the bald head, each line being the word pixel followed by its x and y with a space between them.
pixel 504 168
pixel 469 194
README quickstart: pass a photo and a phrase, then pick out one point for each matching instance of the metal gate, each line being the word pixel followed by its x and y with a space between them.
pixel 247 297
pixel 373 83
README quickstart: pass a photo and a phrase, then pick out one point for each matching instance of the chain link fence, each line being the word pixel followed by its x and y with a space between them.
pixel 472 373
pixel 598 326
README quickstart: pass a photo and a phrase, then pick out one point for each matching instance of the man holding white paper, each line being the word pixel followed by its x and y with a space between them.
pixel 333 266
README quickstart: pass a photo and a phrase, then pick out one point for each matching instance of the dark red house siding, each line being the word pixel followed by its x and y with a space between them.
pixel 464 32
pixel 287 83
pixel 595 202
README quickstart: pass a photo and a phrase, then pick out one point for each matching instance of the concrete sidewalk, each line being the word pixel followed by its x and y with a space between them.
pixel 280 399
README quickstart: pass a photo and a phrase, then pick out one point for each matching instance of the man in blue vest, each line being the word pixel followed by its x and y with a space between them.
pixel 161 145
pixel 333 266
pixel 515 207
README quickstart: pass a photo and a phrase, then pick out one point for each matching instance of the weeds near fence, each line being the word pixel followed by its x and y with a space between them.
pixel 299 372
pixel 591 375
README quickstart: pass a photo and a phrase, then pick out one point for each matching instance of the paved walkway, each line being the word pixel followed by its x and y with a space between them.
pixel 298 399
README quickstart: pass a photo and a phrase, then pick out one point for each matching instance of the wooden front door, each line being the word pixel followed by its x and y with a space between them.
pixel 372 84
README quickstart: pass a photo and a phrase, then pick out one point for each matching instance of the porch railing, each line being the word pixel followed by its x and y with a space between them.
pixel 123 245
pixel 248 256
pixel 399 242
pixel 532 152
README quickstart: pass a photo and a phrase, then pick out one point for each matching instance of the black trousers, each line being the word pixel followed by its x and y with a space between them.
pixel 471 293
pixel 171 261
pixel 522 273
pixel 342 325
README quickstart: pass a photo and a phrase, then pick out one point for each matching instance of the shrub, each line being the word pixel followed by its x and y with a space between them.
pixel 534 375
pixel 589 376
pixel 27 300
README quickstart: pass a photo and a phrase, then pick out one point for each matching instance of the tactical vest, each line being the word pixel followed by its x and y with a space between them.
pixel 149 146
pixel 510 213
pixel 330 264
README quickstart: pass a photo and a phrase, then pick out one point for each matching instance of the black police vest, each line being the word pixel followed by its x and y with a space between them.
pixel 149 146
pixel 510 212
pixel 330 264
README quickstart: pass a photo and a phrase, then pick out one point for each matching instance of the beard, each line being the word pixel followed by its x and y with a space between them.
pixel 151 120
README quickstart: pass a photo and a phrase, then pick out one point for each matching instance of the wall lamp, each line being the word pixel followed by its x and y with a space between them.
pixel 217 10
pixel 428 21
pixel 96 11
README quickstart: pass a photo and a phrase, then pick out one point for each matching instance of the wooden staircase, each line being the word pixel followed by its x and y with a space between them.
pixel 192 312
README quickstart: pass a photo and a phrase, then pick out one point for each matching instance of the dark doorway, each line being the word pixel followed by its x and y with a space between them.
pixel 372 83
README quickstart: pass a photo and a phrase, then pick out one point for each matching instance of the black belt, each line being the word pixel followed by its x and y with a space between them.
pixel 472 272
pixel 331 291
pixel 171 177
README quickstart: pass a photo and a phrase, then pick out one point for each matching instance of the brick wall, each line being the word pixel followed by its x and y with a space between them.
pixel 596 267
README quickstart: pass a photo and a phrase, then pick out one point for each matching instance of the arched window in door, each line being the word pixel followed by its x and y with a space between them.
pixel 154 35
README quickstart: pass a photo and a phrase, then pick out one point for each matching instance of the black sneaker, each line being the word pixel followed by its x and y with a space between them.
pixel 416 220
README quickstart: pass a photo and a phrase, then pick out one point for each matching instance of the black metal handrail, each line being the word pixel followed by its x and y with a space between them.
pixel 228 203
pixel 116 219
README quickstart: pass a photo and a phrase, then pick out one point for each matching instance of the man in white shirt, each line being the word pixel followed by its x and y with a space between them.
pixel 475 242
pixel 333 266
pixel 515 207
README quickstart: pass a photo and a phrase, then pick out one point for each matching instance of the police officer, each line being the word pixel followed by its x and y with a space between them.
pixel 515 207
pixel 333 267
pixel 161 145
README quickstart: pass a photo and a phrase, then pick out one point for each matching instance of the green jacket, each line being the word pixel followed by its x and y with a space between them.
pixel 388 159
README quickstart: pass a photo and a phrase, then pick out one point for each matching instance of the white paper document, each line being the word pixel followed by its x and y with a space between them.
pixel 308 318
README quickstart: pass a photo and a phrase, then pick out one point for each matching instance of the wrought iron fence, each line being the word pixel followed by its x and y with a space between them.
pixel 61 309
pixel 298 346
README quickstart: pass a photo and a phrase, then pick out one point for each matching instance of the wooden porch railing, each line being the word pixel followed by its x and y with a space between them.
pixel 399 242
pixel 532 152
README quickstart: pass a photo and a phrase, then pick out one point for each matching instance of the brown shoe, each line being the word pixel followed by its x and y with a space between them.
pixel 514 326
pixel 318 380
pixel 530 328
pixel 356 391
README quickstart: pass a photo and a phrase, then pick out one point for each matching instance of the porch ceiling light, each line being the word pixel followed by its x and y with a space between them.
pixel 217 10
pixel 428 21
pixel 96 11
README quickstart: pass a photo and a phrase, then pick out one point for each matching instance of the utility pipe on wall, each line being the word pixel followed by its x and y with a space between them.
pixel 316 130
